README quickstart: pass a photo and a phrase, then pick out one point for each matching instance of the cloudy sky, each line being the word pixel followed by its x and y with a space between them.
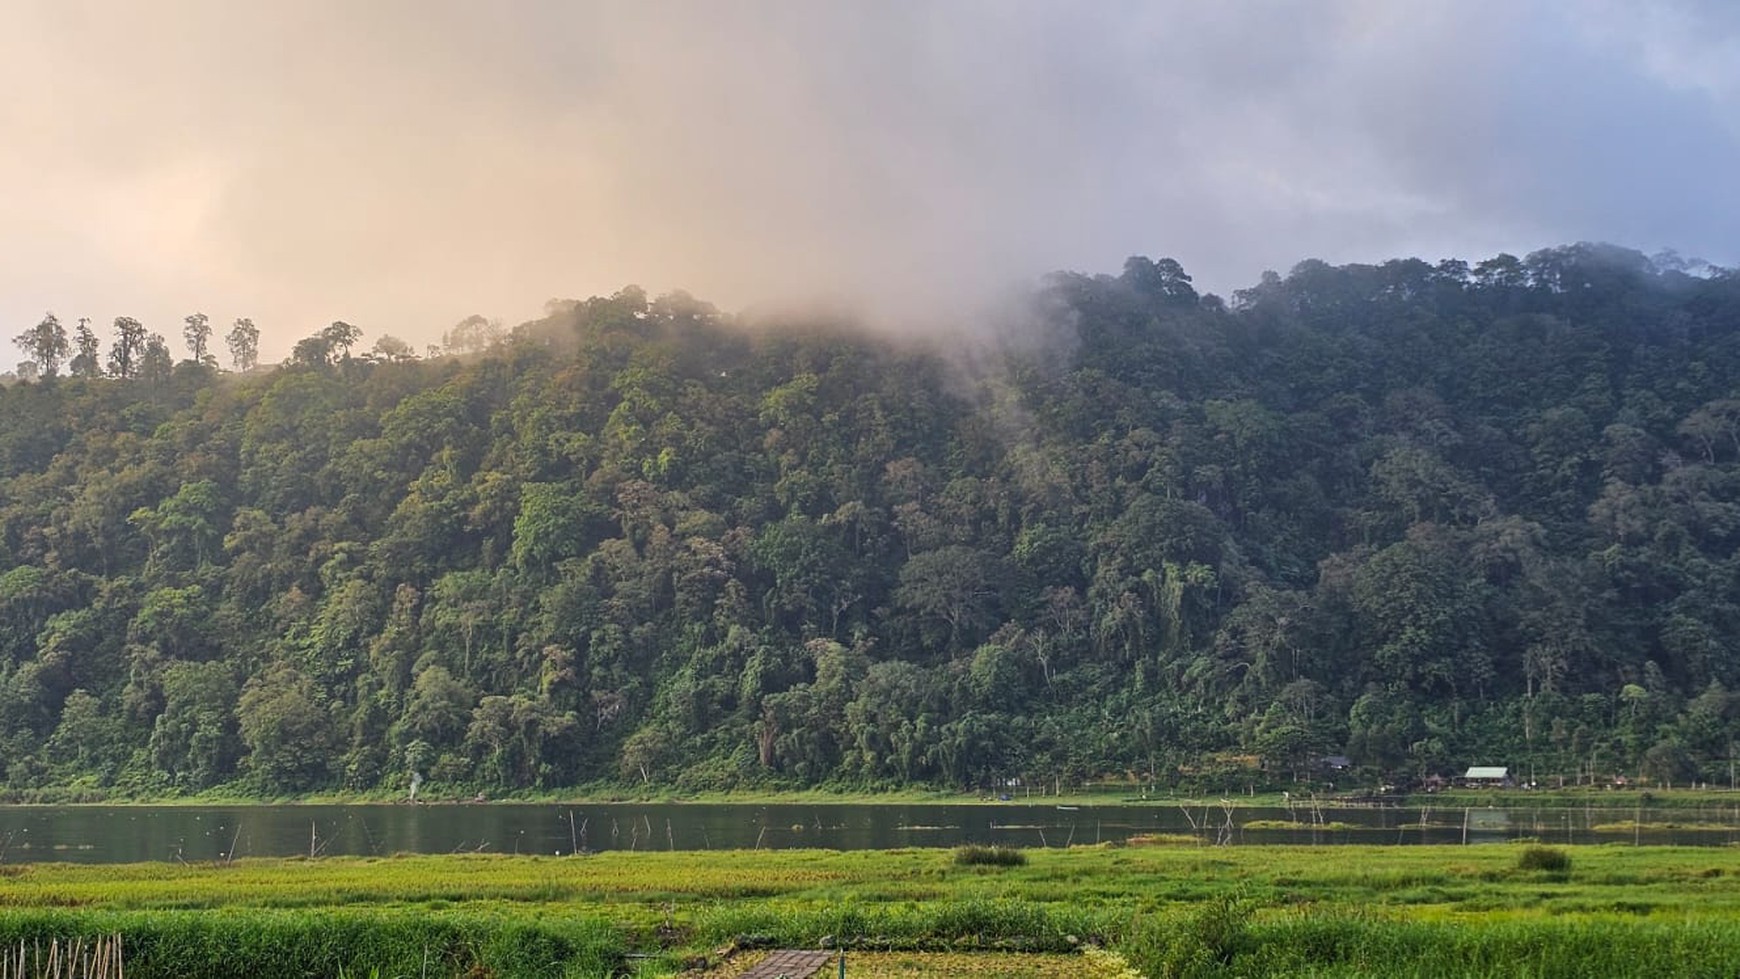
pixel 400 164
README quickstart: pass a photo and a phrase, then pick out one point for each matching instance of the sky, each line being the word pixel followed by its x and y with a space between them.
pixel 402 164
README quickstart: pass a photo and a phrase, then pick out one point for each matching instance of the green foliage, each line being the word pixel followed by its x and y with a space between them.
pixel 1423 516
pixel 989 856
pixel 1205 941
pixel 1545 858
pixel 288 734
pixel 193 739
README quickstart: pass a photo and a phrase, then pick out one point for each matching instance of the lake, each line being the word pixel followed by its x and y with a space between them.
pixel 123 834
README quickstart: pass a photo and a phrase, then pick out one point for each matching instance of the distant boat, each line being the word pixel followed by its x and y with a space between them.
pixel 1068 808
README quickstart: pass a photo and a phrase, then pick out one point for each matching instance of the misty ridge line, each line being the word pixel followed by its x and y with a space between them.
pixel 907 166
pixel 1036 320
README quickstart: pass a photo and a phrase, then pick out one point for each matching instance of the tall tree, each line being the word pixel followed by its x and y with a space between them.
pixel 197 334
pixel 129 346
pixel 340 337
pixel 156 363
pixel 312 351
pixel 46 345
pixel 88 362
pixel 390 348
pixel 244 344
pixel 473 334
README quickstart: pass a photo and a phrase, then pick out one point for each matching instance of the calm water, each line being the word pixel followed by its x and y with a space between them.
pixel 119 834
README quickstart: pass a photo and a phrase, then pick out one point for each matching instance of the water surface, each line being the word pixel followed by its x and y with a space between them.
pixel 123 834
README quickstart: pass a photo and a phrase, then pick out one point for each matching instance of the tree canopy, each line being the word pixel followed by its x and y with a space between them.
pixel 1421 515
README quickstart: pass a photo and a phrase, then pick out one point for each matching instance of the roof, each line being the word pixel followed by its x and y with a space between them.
pixel 1487 772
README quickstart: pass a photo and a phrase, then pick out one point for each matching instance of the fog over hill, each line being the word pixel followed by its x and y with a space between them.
pixel 1420 515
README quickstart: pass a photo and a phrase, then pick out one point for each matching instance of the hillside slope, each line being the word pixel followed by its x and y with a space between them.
pixel 1421 515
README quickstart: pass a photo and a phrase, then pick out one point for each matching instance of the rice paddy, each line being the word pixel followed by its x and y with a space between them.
pixel 965 965
pixel 1170 909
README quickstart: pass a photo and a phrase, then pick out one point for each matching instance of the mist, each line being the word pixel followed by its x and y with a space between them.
pixel 400 165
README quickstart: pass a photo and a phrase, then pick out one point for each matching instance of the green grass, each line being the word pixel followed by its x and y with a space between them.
pixel 1173 910
pixel 1233 940
pixel 269 944
pixel 1297 825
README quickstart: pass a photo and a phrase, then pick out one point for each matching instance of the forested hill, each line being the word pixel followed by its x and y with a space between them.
pixel 1424 516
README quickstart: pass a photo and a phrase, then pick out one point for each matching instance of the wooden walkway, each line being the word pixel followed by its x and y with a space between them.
pixel 790 964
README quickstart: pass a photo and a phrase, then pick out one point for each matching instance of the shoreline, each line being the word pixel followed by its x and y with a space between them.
pixel 1623 800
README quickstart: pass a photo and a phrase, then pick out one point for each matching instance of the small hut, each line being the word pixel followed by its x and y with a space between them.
pixel 1487 777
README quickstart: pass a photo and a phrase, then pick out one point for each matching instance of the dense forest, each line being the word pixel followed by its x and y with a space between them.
pixel 1423 516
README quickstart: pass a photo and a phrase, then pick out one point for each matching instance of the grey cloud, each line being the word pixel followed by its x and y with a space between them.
pixel 401 164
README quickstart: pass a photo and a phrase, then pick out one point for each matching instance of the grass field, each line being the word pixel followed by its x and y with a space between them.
pixel 966 965
pixel 1173 910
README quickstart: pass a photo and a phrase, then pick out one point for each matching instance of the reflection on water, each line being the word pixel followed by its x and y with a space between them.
pixel 118 834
